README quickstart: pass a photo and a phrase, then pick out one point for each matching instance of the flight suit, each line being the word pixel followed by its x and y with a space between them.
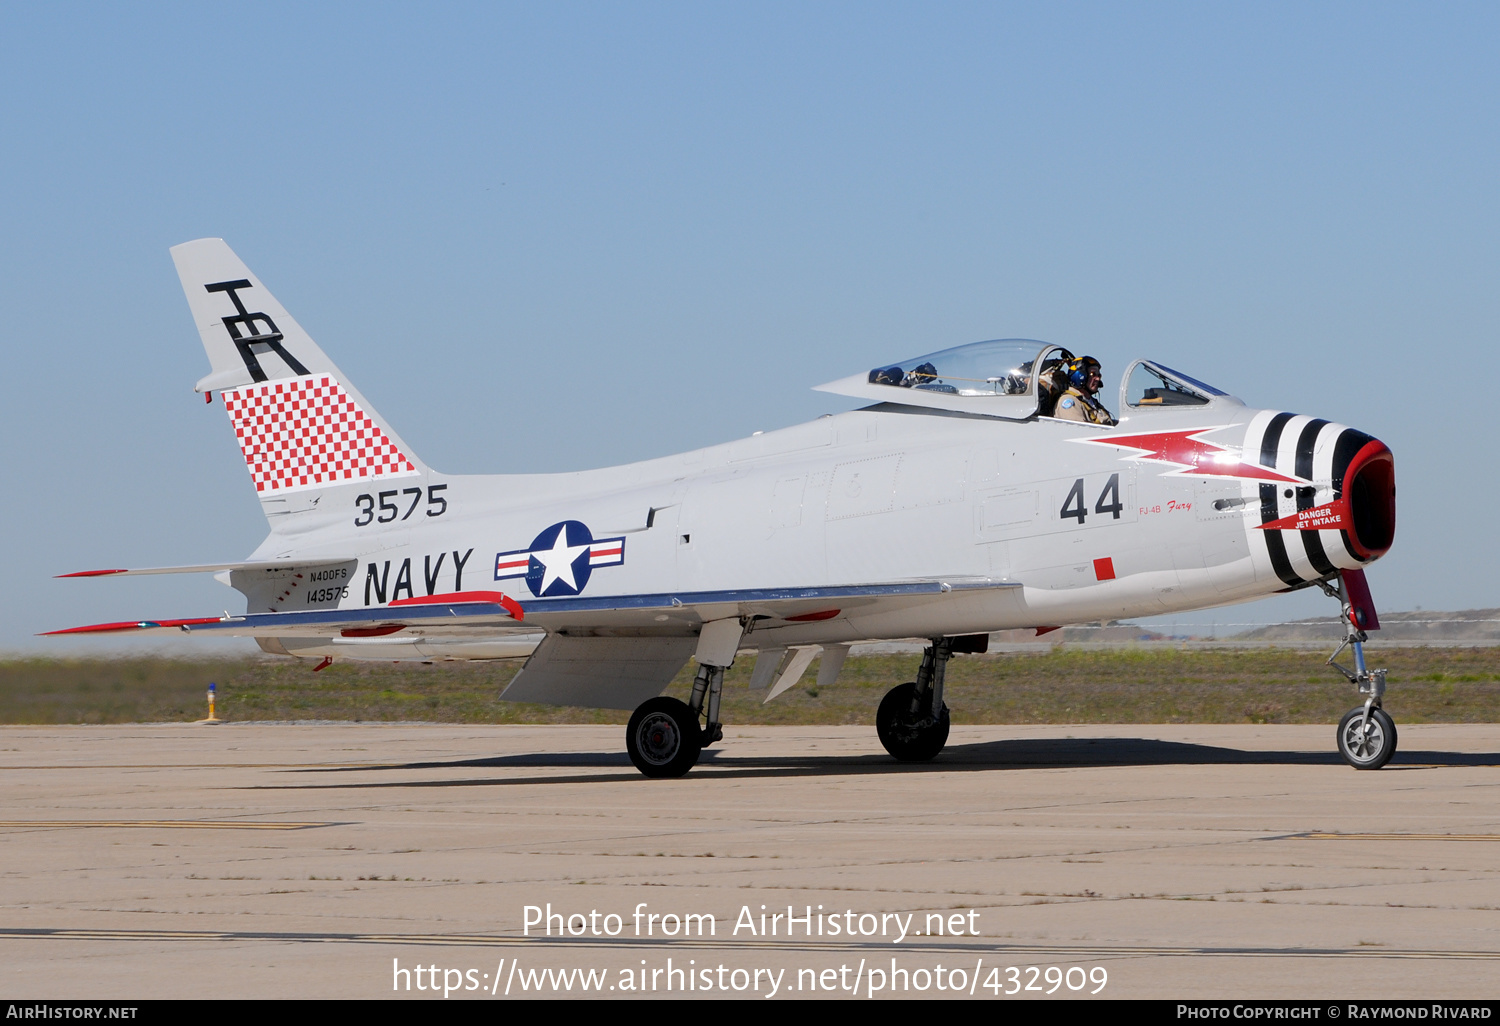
pixel 1075 404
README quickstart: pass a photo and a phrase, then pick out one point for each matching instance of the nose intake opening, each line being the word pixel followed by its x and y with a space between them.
pixel 1370 486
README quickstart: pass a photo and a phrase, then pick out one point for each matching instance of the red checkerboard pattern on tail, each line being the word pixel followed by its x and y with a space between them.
pixel 306 432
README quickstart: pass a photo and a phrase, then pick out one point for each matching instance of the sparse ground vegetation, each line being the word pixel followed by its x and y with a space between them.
pixel 1149 684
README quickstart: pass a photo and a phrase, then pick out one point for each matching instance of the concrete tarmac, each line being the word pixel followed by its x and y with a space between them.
pixel 324 860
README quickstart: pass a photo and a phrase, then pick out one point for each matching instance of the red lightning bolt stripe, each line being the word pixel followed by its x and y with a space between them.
pixel 1187 450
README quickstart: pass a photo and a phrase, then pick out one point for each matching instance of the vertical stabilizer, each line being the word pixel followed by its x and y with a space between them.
pixel 301 426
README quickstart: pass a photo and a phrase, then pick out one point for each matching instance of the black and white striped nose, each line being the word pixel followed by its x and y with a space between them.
pixel 1341 514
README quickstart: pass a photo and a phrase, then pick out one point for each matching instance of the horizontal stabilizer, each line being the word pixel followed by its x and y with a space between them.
pixel 213 568
pixel 462 613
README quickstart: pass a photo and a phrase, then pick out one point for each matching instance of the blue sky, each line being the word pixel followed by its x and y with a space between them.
pixel 555 236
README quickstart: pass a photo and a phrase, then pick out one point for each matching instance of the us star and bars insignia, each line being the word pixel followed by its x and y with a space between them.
pixel 560 560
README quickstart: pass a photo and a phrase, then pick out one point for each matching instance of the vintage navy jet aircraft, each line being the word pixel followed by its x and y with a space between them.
pixel 959 501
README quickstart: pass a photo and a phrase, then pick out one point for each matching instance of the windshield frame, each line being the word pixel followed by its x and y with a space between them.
pixel 1213 396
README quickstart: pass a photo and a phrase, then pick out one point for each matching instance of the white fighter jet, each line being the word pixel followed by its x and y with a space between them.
pixel 956 503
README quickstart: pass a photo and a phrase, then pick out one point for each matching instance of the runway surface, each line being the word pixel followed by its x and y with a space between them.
pixel 1169 861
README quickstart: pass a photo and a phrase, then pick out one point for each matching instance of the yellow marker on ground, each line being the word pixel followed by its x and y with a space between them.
pixel 211 717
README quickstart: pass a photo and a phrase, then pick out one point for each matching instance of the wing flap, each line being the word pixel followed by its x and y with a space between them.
pixel 600 673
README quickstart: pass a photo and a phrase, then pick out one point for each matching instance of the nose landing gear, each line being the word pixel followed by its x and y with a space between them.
pixel 1367 734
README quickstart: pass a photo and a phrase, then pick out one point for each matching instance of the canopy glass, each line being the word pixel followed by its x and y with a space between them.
pixel 996 367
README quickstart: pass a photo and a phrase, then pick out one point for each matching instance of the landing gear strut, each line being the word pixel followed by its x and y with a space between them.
pixel 1367 734
pixel 912 720
pixel 664 739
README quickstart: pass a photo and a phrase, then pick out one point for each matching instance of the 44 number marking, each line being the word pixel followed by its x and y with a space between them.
pixel 1108 502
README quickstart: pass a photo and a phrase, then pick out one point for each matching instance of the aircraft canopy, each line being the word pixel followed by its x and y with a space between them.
pixel 1000 367
pixel 993 378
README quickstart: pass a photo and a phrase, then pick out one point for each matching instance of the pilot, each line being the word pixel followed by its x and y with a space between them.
pixel 1078 402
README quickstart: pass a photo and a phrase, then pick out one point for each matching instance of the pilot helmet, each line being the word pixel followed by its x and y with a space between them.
pixel 1078 371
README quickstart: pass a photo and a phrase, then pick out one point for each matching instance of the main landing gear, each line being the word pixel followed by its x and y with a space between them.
pixel 1367 734
pixel 912 720
pixel 664 739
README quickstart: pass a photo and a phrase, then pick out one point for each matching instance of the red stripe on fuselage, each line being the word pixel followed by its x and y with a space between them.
pixel 1194 455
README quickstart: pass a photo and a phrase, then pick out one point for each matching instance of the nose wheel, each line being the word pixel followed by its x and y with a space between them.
pixel 1367 737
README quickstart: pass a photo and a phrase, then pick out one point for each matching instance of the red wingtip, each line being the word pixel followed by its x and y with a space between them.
pixel 130 625
pixel 93 573
pixel 96 628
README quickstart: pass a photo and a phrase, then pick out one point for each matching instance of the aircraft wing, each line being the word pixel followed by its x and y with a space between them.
pixel 600 651
pixel 491 612
pixel 458 613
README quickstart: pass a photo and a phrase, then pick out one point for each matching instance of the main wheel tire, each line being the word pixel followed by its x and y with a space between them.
pixel 1372 747
pixel 904 736
pixel 663 738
